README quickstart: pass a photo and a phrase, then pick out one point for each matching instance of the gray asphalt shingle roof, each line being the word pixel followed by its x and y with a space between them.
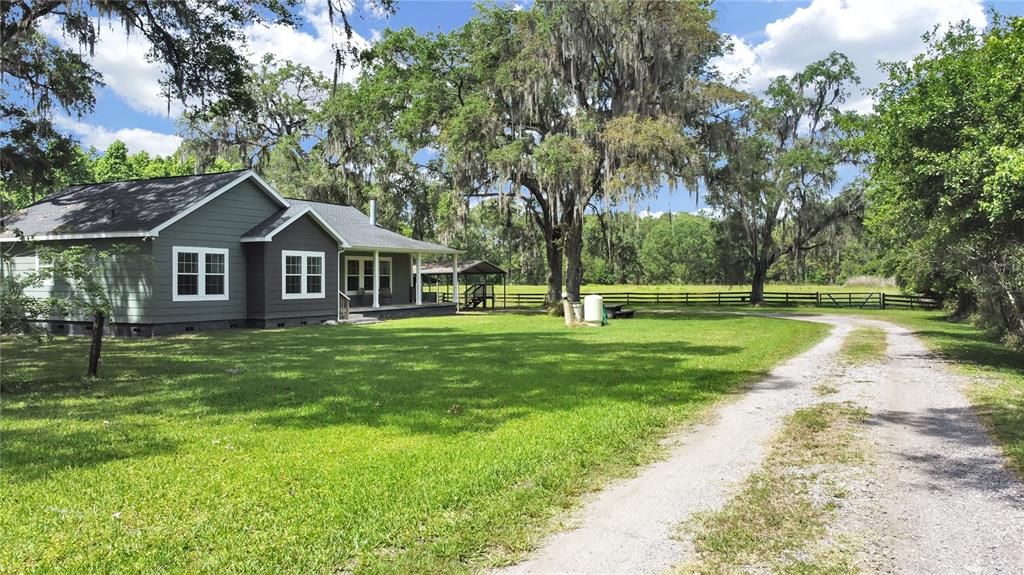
pixel 136 207
pixel 281 217
pixel 116 207
pixel 356 228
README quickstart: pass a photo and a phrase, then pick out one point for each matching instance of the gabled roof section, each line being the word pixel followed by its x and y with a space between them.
pixel 133 208
pixel 268 228
pixel 363 235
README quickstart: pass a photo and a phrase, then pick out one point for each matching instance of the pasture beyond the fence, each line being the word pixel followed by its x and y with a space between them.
pixel 859 300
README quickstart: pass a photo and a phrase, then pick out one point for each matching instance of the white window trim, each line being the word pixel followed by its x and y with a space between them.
pixel 202 274
pixel 323 275
pixel 362 276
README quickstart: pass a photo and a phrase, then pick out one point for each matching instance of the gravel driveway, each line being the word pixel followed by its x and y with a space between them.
pixel 939 500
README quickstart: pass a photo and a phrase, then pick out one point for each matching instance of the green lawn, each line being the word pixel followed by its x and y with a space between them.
pixel 430 445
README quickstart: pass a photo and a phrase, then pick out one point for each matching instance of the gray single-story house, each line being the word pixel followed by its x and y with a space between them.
pixel 223 250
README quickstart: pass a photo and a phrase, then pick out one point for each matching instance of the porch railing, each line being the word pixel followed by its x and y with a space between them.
pixel 346 305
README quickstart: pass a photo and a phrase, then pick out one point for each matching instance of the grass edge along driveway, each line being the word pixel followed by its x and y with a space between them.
pixel 432 445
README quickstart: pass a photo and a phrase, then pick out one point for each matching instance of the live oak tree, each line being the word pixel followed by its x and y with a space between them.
pixel 947 177
pixel 550 107
pixel 272 136
pixel 636 75
pixel 199 43
pixel 773 163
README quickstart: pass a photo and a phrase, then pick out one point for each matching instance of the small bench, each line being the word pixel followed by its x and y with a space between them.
pixel 616 311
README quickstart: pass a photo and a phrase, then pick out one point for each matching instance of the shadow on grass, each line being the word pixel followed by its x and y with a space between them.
pixel 971 347
pixel 418 379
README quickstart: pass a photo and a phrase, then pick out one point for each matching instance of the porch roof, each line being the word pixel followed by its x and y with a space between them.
pixel 361 234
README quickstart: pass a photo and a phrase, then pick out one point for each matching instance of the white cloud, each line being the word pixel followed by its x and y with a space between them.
pixel 136 139
pixel 314 50
pixel 708 212
pixel 375 10
pixel 649 214
pixel 867 31
pixel 122 60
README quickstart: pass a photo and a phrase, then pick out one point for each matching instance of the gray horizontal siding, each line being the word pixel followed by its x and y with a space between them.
pixel 129 276
pixel 303 235
pixel 218 224
pixel 255 274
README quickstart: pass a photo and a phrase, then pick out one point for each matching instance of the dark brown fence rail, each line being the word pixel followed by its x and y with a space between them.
pixel 859 300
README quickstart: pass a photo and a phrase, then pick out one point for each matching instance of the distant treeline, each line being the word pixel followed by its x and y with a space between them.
pixel 621 247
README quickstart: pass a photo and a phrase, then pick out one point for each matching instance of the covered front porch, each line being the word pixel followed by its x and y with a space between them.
pixel 388 284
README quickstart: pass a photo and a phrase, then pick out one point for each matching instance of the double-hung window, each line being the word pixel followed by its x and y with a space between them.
pixel 200 274
pixel 302 275
pixel 32 263
pixel 359 274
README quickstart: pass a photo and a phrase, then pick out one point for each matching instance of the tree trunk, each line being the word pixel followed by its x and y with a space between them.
pixel 572 235
pixel 98 322
pixel 553 252
pixel 574 259
pixel 757 285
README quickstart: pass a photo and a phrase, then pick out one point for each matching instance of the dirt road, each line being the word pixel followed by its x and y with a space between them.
pixel 939 500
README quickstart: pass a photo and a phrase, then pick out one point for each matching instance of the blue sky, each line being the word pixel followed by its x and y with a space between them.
pixel 770 38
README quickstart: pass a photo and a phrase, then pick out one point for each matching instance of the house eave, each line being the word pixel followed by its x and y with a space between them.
pixel 443 251
pixel 93 236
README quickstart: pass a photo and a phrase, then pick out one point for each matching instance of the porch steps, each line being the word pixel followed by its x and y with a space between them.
pixel 359 319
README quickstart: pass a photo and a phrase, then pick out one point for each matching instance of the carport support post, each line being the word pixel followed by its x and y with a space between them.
pixel 376 278
pixel 419 279
pixel 455 280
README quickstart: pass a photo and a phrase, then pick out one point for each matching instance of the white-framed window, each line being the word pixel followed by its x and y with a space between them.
pixel 200 274
pixel 359 274
pixel 302 274
pixel 25 264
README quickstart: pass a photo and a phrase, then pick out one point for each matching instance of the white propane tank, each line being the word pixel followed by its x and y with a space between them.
pixel 593 308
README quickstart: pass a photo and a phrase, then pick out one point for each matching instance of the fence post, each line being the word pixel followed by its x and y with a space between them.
pixel 817 299
pixel 719 295
pixel 657 297
pixel 627 298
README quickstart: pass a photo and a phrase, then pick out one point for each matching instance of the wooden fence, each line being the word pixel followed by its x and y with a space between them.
pixel 859 300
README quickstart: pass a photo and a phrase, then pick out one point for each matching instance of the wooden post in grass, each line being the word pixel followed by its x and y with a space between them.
pixel 96 346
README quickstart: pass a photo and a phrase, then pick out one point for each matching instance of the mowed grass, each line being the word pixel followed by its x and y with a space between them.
pixel 864 345
pixel 435 445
